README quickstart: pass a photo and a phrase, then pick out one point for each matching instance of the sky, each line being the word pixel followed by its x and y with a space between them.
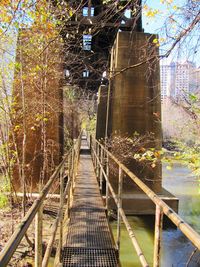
pixel 7 57
pixel 155 25
pixel 158 21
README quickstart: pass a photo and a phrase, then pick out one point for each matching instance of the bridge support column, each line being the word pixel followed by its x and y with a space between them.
pixel 37 133
pixel 136 107
pixel 101 112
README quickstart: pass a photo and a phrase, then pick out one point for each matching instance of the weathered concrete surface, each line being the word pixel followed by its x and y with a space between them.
pixel 136 95
pixel 101 112
pixel 135 106
pixel 38 108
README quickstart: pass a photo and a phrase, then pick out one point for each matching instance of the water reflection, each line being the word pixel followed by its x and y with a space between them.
pixel 176 249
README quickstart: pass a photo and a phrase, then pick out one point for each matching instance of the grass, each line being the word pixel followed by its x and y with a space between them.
pixel 3 201
pixel 3 197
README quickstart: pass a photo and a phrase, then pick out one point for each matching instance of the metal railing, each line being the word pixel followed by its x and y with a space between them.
pixel 68 167
pixel 101 157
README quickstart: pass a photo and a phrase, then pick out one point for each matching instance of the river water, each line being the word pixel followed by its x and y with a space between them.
pixel 176 249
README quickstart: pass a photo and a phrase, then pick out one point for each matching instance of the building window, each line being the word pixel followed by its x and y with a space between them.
pixel 86 73
pixel 86 12
pixel 87 42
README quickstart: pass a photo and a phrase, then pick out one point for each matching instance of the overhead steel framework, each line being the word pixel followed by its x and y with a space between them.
pixel 89 35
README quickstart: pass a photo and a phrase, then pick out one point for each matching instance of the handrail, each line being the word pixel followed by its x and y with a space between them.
pixel 120 210
pixel 54 229
pixel 161 206
pixel 12 244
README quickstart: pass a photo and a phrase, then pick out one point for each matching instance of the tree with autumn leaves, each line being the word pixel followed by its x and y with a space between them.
pixel 32 105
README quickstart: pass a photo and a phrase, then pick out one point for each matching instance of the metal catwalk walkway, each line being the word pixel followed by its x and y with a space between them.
pixel 89 241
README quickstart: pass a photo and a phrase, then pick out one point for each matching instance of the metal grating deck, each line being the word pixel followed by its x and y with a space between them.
pixel 89 229
pixel 82 257
pixel 89 242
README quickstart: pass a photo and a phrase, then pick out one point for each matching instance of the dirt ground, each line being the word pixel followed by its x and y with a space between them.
pixel 24 256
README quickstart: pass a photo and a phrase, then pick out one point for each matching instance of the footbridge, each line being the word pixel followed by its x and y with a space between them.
pixel 81 231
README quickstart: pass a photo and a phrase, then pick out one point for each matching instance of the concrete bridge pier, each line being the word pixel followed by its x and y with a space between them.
pixel 135 106
pixel 101 112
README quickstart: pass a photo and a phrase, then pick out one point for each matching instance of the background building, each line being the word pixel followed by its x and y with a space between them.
pixel 178 80
pixel 165 80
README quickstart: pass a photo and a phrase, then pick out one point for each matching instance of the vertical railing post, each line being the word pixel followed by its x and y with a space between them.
pixel 91 150
pixel 69 164
pixel 75 160
pixel 72 168
pixel 158 236
pixel 107 180
pixel 98 165
pixel 93 153
pixel 91 143
pixel 95 157
pixel 69 181
pixel 74 171
pixel 61 214
pixel 68 192
pixel 38 237
pixel 101 165
pixel 119 206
